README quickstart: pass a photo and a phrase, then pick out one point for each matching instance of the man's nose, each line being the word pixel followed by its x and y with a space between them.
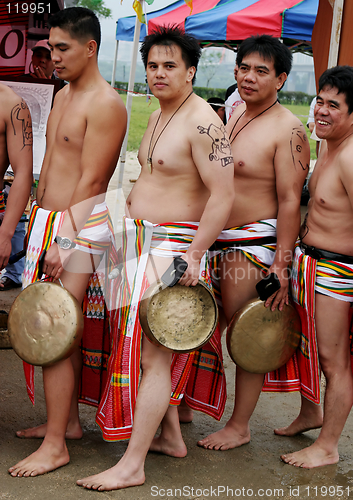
pixel 55 56
pixel 160 71
pixel 250 75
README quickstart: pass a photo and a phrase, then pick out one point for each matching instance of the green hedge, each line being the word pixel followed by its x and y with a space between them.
pixel 206 93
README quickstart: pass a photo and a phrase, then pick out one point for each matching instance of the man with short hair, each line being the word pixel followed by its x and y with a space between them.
pixel 322 281
pixel 178 206
pixel 70 219
pixel 271 156
pixel 16 140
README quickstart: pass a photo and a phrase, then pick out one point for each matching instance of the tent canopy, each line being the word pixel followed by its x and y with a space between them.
pixel 227 22
pixel 175 13
pixel 236 20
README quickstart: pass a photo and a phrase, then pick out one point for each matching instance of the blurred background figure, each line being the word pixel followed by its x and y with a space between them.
pixel 41 65
pixel 217 104
pixel 311 126
pixel 232 97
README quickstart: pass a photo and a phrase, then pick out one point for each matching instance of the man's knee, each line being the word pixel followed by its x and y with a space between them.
pixel 332 365
pixel 152 357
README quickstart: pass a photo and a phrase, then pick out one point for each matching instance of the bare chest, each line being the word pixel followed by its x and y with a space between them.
pixel 168 151
pixel 326 187
pixel 254 155
pixel 67 127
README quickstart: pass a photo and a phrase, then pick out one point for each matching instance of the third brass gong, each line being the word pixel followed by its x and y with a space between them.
pixel 260 340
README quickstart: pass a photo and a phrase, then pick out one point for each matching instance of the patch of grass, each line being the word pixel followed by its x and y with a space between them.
pixel 142 109
pixel 140 113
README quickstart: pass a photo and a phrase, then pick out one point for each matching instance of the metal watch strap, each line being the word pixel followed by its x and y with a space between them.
pixel 60 241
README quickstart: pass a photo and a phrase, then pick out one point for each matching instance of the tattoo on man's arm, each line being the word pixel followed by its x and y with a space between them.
pixel 22 123
pixel 221 149
pixel 297 141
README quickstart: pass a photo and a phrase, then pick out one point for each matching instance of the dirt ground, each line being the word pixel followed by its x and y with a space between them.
pixel 254 470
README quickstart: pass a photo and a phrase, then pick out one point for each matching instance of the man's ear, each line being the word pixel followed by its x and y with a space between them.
pixel 281 80
pixel 191 73
pixel 91 48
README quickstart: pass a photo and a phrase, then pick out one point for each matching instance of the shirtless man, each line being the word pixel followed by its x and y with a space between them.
pixel 187 173
pixel 328 226
pixel 16 141
pixel 85 131
pixel 271 156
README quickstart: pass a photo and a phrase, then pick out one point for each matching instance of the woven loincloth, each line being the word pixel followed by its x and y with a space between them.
pixel 115 413
pixel 256 241
pixel 99 302
pixel 309 275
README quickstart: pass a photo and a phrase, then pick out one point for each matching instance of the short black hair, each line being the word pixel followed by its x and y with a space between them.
pixel 173 35
pixel 341 78
pixel 269 48
pixel 81 23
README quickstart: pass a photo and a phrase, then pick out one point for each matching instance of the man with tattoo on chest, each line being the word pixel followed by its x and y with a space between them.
pixel 70 219
pixel 178 206
pixel 322 281
pixel 16 141
pixel 271 156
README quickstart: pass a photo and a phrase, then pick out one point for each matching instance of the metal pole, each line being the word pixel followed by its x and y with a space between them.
pixel 122 159
pixel 114 64
pixel 335 33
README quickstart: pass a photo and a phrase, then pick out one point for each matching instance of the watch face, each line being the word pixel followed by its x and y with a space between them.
pixel 65 243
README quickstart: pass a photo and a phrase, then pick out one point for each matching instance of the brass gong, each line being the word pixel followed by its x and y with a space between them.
pixel 260 340
pixel 179 318
pixel 45 323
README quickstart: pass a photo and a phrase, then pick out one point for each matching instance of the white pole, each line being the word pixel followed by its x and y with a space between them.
pixel 335 33
pixel 122 160
pixel 114 63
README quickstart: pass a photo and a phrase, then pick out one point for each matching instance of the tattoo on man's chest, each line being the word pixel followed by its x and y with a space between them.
pixel 221 150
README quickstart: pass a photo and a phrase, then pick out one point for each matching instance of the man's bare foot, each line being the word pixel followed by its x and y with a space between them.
pixel 175 449
pixel 311 457
pixel 225 439
pixel 74 431
pixel 112 479
pixel 298 426
pixel 45 459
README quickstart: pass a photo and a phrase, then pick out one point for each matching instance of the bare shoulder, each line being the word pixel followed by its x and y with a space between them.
pixel 286 121
pixel 8 98
pixel 106 97
pixel 201 115
pixel 153 116
pixel 344 159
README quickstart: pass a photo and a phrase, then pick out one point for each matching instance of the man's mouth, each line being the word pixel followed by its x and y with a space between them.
pixel 322 122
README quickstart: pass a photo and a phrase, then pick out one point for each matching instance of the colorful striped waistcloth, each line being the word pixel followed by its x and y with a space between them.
pixel 141 238
pixel 100 300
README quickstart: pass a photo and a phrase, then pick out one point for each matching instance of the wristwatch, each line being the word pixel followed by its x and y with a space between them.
pixel 64 243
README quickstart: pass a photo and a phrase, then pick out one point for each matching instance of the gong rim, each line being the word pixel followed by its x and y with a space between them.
pixel 260 340
pixel 45 324
pixel 161 335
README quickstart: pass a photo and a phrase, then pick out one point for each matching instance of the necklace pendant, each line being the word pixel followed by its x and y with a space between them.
pixel 149 165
